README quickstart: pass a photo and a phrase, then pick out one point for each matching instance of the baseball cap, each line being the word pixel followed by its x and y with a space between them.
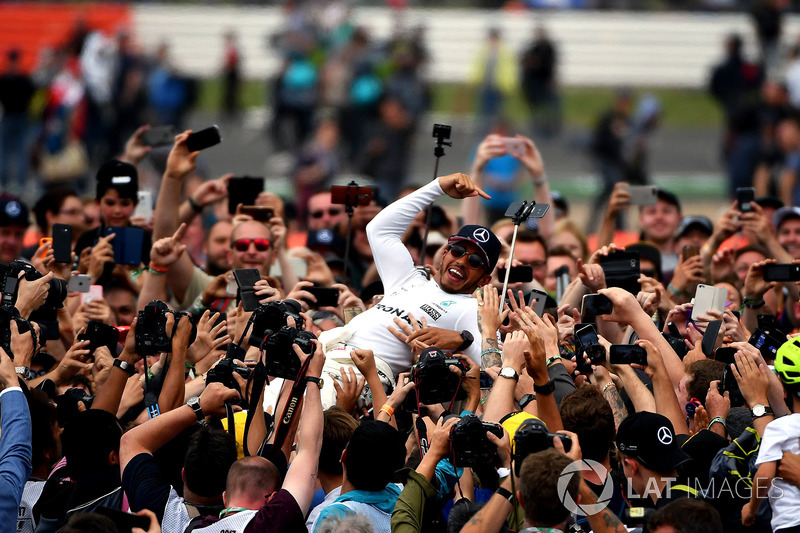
pixel 785 213
pixel 324 240
pixel 484 239
pixel 13 212
pixel 694 222
pixel 116 174
pixel 668 197
pixel 650 438
pixel 769 201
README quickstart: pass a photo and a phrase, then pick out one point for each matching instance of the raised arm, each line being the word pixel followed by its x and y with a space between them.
pixel 110 395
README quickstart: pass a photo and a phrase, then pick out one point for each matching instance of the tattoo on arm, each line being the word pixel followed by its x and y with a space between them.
pixel 612 522
pixel 617 405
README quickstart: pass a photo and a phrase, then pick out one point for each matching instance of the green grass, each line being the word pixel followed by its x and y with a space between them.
pixel 581 105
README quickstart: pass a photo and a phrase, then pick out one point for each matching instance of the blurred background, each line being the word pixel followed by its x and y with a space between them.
pixel 685 94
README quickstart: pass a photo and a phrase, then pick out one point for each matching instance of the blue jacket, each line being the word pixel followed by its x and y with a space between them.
pixel 15 453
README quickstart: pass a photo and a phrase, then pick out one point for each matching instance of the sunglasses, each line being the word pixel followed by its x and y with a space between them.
pixel 331 212
pixel 242 245
pixel 475 260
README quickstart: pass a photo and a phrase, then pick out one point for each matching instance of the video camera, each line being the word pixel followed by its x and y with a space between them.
pixel 151 329
pixel 435 382
pixel 532 436
pixel 470 445
pixel 57 288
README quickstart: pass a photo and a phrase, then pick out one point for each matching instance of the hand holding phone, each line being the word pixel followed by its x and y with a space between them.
pixel 514 146
pixel 246 278
pixel 243 190
pixel 594 305
pixel 627 354
pixel 744 198
pixel 643 194
pixel 326 296
pixel 781 272
pixel 200 140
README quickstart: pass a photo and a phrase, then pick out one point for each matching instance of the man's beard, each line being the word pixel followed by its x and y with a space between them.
pixel 215 268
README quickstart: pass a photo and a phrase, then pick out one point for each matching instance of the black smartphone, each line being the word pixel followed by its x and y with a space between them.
pixel 731 386
pixel 486 381
pixel 62 243
pixel 200 140
pixel 782 272
pixel 767 322
pixel 622 269
pixel 243 190
pixel 326 296
pixel 532 210
pixel 627 354
pixel 258 212
pixel 710 337
pixel 125 522
pixel 595 305
pixel 675 340
pixel 100 334
pixel 519 274
pixel 587 342
pixel 767 343
pixel 159 136
pixel 744 198
pixel 246 278
pixel 725 354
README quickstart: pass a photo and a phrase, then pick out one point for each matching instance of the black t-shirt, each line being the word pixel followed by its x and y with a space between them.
pixel 281 514
pixel 145 485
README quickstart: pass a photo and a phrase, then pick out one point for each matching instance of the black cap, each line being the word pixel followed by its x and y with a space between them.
pixel 650 438
pixel 769 201
pixel 118 175
pixel 666 196
pixel 13 212
pixel 484 239
pixel 694 222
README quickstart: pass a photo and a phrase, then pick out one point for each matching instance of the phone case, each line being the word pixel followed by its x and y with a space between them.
pixel 243 190
pixel 200 140
pixel 79 283
pixel 144 208
pixel 708 297
pixel 62 243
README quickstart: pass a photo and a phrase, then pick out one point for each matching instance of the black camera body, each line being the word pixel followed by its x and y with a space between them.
pixel 281 361
pixel 268 319
pixel 222 372
pixel 532 436
pixel 7 315
pixel 56 294
pixel 151 329
pixel 470 445
pixel 435 382
pixel 100 334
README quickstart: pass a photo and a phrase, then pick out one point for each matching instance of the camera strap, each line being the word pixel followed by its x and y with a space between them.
pixel 258 380
pixel 291 408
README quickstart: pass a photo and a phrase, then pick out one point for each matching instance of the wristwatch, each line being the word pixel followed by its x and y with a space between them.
pixel 23 371
pixel 761 410
pixel 509 373
pixel 127 367
pixel 525 400
pixel 545 389
pixel 468 340
pixel 319 381
pixel 194 403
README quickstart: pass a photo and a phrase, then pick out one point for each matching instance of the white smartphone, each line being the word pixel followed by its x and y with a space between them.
pixel 708 297
pixel 643 194
pixel 79 283
pixel 95 292
pixel 144 207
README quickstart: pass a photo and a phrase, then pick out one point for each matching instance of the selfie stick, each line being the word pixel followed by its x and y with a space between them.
pixel 441 132
pixel 517 218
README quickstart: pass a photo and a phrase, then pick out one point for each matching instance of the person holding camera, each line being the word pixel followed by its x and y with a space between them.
pixel 444 299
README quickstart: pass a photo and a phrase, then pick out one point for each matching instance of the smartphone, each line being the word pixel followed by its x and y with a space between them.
pixel 144 205
pixel 486 381
pixel 627 354
pixel 246 278
pixel 133 242
pixel 643 194
pixel 125 522
pixel 622 269
pixel 42 242
pixel 731 386
pixel 532 210
pixel 767 322
pixel 351 195
pixel 744 197
pixel 710 337
pixel 326 296
pixel 767 343
pixel 519 274
pixel 243 190
pixel 708 297
pixel 100 334
pixel 537 301
pixel 782 272
pixel 95 292
pixel 159 136
pixel 588 343
pixel 594 305
pixel 514 146
pixel 62 243
pixel 79 283
pixel 258 212
pixel 690 251
pixel 200 140
pixel 725 354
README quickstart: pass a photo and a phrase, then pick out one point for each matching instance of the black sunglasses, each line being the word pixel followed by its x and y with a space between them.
pixel 475 260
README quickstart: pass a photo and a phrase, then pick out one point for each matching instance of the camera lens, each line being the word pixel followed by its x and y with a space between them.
pixel 56 294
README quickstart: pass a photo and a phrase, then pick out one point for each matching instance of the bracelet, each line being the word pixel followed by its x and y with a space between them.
pixel 609 384
pixel 540 181
pixel 752 303
pixel 503 472
pixel 153 269
pixel 674 290
pixel 720 420
pixel 487 351
pixel 388 409
pixel 197 208
pixel 505 493
pixel 551 360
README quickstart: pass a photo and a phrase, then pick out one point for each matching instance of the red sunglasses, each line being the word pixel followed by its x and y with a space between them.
pixel 242 245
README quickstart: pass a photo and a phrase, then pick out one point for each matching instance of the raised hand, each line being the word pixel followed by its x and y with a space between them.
pixel 181 162
pixel 348 392
pixel 459 186
pixel 167 250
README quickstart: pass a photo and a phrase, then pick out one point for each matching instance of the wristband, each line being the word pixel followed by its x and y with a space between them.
pixel 674 290
pixel 718 419
pixel 123 365
pixel 551 360
pixel 388 409
pixel 540 181
pixel 197 208
pixel 505 493
pixel 156 269
pixel 199 305
pixel 545 389
pixel 609 384
pixel 487 351
pixel 503 472
pixel 753 303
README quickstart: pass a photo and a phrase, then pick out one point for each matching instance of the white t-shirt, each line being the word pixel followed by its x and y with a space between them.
pixel 235 523
pixel 30 495
pixel 406 290
pixel 329 499
pixel 781 435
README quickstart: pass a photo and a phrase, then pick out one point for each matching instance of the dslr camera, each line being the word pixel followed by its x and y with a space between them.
pixel 435 382
pixel 271 317
pixel 151 329
pixel 57 288
pixel 531 437
pixel 271 333
pixel 223 372
pixel 470 445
